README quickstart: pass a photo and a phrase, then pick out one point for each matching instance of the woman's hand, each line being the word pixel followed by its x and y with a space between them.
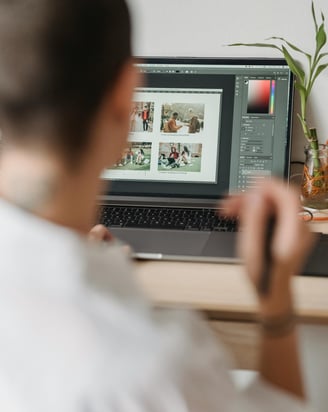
pixel 291 240
pixel 100 233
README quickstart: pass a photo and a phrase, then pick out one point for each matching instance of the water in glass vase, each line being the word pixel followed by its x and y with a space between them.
pixel 314 190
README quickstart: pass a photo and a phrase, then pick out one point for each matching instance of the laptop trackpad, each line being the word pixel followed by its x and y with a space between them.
pixel 165 242
pixel 221 245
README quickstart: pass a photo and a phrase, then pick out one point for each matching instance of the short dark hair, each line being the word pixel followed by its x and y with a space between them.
pixel 57 61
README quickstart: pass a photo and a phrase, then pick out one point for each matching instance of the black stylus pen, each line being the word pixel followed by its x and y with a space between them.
pixel 265 280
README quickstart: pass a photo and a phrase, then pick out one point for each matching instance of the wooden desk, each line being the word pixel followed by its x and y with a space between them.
pixel 223 293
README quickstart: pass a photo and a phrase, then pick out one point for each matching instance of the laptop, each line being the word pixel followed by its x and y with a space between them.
pixel 200 128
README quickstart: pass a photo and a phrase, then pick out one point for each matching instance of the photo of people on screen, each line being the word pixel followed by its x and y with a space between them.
pixel 180 155
pixel 136 156
pixel 182 118
pixel 142 117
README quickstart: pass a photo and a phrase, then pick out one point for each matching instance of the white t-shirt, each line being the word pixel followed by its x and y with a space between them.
pixel 76 335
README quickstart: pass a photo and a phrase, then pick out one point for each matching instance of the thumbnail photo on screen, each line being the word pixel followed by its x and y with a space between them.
pixel 142 117
pixel 136 156
pixel 175 156
pixel 184 118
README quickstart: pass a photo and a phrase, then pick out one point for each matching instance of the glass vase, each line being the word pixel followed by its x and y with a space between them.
pixel 314 189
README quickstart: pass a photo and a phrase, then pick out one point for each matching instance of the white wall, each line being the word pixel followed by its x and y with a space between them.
pixel 202 27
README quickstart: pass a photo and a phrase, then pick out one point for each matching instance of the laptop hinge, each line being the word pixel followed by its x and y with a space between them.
pixel 157 201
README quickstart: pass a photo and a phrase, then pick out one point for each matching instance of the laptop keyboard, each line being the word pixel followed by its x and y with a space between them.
pixel 166 218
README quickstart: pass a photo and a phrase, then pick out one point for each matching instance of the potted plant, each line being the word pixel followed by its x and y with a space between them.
pixel 315 177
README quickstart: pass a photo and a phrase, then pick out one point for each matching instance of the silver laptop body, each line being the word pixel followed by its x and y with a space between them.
pixel 200 128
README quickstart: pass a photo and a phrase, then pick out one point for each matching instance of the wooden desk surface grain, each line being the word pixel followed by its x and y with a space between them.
pixel 223 292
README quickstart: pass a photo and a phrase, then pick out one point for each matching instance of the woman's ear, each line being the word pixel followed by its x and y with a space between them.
pixel 122 93
pixel 112 123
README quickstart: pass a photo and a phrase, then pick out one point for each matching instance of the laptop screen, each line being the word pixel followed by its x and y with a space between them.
pixel 200 128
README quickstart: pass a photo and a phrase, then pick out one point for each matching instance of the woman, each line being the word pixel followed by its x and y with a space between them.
pixel 76 334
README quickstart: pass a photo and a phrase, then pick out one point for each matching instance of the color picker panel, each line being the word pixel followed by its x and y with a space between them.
pixel 259 96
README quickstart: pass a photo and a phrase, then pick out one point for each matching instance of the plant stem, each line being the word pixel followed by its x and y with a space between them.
pixel 305 127
pixel 314 145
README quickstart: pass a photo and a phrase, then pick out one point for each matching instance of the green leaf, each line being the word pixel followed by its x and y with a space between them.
pixel 291 45
pixel 303 95
pixel 319 70
pixel 323 17
pixel 273 46
pixel 300 86
pixel 293 65
pixel 321 37
pixel 314 18
pixel 321 55
pixel 317 57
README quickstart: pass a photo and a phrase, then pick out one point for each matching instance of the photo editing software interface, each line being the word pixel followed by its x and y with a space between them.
pixel 205 129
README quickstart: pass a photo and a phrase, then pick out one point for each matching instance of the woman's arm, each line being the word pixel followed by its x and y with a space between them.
pixel 291 242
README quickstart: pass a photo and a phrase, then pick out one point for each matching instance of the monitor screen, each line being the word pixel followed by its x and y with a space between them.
pixel 205 127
